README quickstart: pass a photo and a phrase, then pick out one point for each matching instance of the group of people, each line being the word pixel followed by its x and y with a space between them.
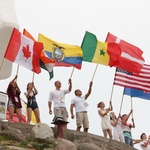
pixel 14 102
pixel 78 102
pixel 118 128
pixel 114 127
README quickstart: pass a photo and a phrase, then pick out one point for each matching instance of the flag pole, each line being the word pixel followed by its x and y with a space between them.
pixel 17 70
pixel 33 77
pixel 121 103
pixel 2 63
pixel 112 90
pixel 94 72
pixel 72 73
pixel 132 106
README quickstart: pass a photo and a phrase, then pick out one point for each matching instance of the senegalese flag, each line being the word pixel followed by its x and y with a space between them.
pixel 63 54
pixel 100 52
pixel 45 63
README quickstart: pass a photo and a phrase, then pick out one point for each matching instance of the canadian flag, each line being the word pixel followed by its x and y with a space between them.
pixel 47 62
pixel 24 51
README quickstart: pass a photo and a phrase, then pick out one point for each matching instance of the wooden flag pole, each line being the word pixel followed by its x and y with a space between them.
pixel 132 106
pixel 17 70
pixel 33 77
pixel 1 64
pixel 94 72
pixel 72 73
pixel 121 103
pixel 112 90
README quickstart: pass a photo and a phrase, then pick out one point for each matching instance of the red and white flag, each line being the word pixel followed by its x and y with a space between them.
pixel 131 57
pixel 131 80
pixel 49 63
pixel 24 51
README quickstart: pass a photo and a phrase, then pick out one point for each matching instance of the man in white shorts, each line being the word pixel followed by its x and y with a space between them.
pixel 80 107
pixel 58 97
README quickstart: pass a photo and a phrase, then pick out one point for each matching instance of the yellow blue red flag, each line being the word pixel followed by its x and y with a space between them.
pixel 63 54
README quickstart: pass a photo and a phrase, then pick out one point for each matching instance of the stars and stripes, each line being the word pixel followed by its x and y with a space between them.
pixel 131 80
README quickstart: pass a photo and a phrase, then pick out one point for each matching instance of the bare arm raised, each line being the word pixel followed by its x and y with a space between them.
pixel 89 90
pixel 70 85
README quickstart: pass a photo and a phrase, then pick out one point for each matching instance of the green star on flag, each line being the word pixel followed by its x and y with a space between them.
pixel 102 52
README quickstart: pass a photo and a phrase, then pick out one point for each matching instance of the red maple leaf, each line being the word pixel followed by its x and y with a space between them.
pixel 26 51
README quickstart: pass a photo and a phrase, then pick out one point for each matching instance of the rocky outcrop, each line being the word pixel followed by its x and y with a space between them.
pixel 42 133
pixel 72 140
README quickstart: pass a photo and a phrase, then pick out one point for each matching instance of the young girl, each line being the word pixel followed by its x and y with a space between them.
pixel 14 103
pixel 127 128
pixel 105 121
pixel 31 103
pixel 117 127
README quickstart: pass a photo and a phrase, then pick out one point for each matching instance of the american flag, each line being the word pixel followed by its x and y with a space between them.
pixel 131 80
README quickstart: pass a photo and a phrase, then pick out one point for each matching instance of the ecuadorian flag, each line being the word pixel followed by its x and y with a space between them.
pixel 100 52
pixel 63 54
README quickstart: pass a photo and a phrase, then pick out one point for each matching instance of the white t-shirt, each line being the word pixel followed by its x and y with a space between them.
pixel 79 103
pixel 118 127
pixel 58 97
pixel 145 148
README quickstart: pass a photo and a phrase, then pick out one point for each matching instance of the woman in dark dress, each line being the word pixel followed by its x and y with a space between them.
pixel 14 103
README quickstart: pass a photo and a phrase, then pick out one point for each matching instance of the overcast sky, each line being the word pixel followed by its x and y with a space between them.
pixel 66 21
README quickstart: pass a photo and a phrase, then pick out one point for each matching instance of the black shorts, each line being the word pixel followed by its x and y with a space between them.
pixel 32 104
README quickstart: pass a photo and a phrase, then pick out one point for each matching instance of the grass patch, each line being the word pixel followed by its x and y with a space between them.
pixel 2 138
pixel 24 143
pixel 36 145
pixel 7 138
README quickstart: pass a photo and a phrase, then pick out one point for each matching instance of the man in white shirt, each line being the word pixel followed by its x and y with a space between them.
pixel 80 107
pixel 58 97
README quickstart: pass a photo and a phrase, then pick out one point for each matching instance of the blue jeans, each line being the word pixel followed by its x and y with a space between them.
pixel 128 141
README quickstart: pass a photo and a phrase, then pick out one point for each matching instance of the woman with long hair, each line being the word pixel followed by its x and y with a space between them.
pixel 117 127
pixel 14 103
pixel 32 103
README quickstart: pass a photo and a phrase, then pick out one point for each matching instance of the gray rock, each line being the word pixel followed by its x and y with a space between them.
pixel 41 132
pixel 63 144
pixel 72 139
pixel 88 146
